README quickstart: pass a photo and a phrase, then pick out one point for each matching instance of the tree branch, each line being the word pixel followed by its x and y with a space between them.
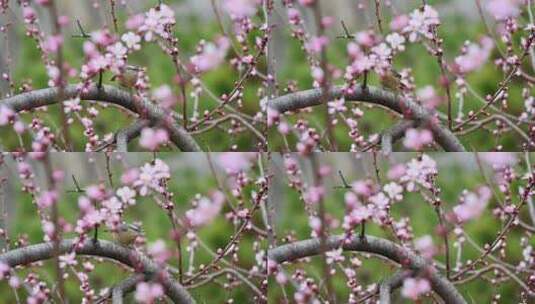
pixel 43 251
pixel 409 109
pixel 125 286
pixel 403 256
pixel 394 133
pixel 386 287
pixel 108 94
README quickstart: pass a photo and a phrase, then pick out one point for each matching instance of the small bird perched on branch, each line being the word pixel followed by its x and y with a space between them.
pixel 391 80
pixel 126 234
pixel 130 76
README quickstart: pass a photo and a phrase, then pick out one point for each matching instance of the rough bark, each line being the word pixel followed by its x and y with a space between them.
pixel 409 109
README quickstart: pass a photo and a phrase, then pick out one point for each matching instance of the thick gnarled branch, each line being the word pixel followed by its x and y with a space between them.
pixel 108 94
pixel 409 109
pixel 385 248
pixel 106 249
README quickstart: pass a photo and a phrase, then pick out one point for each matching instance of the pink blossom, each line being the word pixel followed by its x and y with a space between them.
pixel 316 44
pixel 53 43
pixel 472 204
pixel 417 139
pixel 294 17
pixel 315 223
pixel 134 22
pixel 85 204
pixel 399 22
pixel 351 199
pixel 307 2
pixel 47 199
pixel 418 172
pixel 425 246
pixel 72 105
pixel 281 278
pixel 147 293
pixel 235 162
pixel 29 14
pixel 212 55
pixel 48 228
pixel 96 192
pixel 394 191
pixel 159 252
pixel 421 23
pixel 118 50
pixel 284 128
pixel 6 114
pixel 112 205
pixel 504 9
pixel 102 37
pixel 359 214
pixel 428 96
pixel 131 40
pixel 165 96
pixel 337 106
pixel 354 50
pixel 334 256
pixel 380 200
pixel 238 9
pixel 474 55
pixel 362 187
pixel 414 288
pixel 54 75
pixel 314 194
pixel 68 259
pixel 4 270
pixel 19 127
pixel 42 2
pixel 272 116
pixel 150 176
pixel 317 74
pixel 155 22
pixel 14 282
pixel 152 138
pixel 366 39
pixel 127 195
pixel 130 176
pixel 206 210
pixel 63 20
pixel 396 171
pixel 396 42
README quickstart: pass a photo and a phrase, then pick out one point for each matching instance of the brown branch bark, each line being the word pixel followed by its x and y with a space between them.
pixel 403 256
pixel 409 109
pixel 106 249
pixel 108 94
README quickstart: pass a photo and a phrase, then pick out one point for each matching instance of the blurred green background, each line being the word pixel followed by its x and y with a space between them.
pixel 191 175
pixel 457 171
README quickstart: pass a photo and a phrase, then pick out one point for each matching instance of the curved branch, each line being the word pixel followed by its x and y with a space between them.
pixel 125 135
pixel 108 94
pixel 394 133
pixel 403 256
pixel 386 287
pixel 43 251
pixel 409 109
pixel 125 286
